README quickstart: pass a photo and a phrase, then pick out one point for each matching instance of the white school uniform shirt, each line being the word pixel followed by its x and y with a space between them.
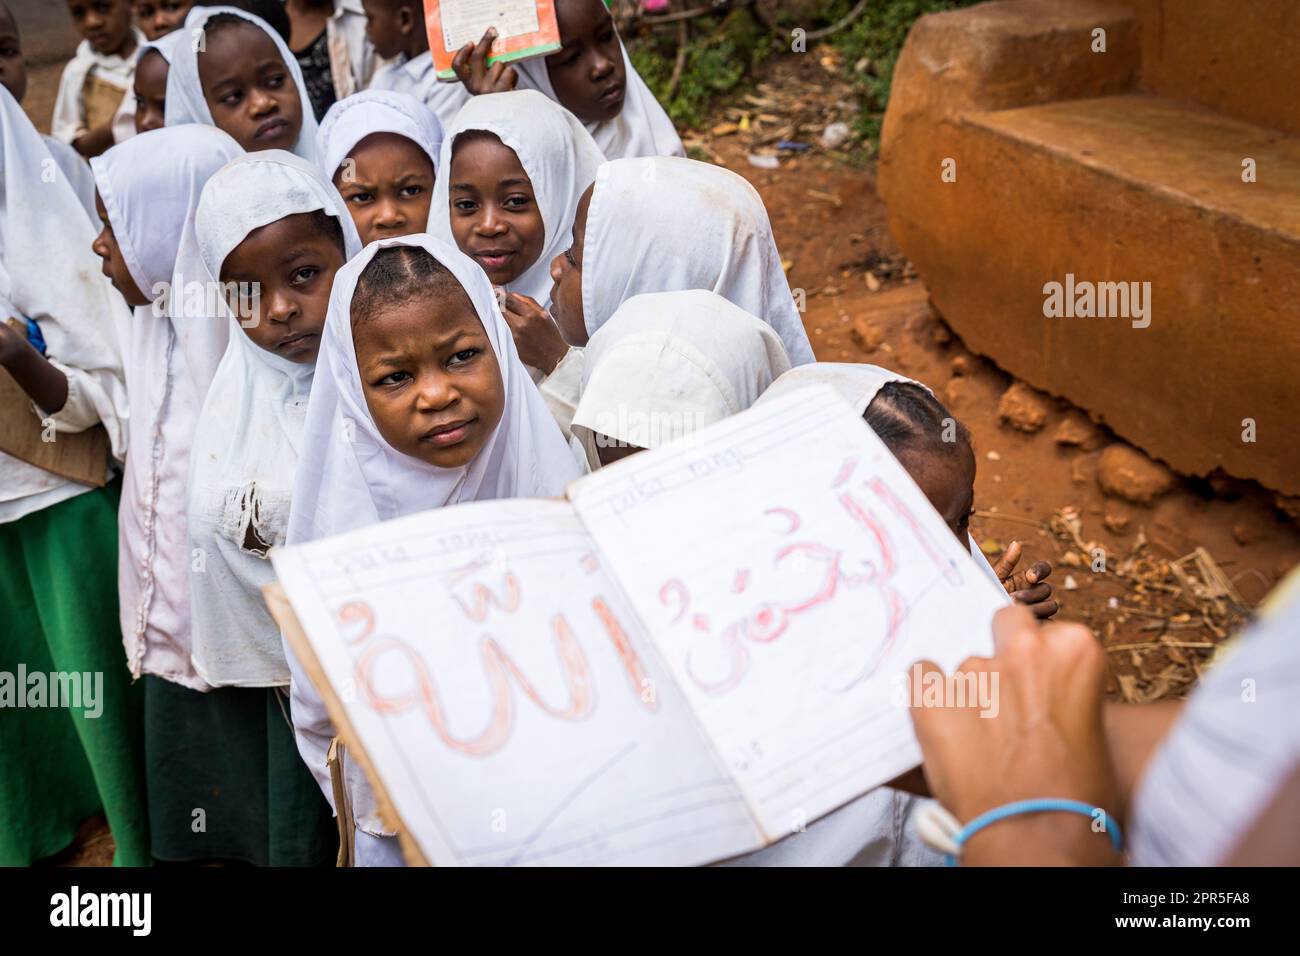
pixel 558 155
pixel 363 114
pixel 49 273
pixel 670 363
pixel 150 186
pixel 642 128
pixel 185 101
pixel 417 77
pixel 249 433
pixel 349 476
pixel 1232 749
pixel 69 119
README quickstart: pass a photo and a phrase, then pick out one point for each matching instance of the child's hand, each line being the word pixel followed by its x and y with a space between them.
pixel 1031 587
pixel 537 338
pixel 470 64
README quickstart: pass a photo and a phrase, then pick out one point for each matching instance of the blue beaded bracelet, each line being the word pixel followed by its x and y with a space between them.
pixel 1041 805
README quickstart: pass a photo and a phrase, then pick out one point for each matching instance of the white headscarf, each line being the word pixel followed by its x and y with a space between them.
pixel 185 100
pixel 670 363
pixel 858 385
pixel 666 224
pixel 165 45
pixel 642 128
pixel 249 432
pixel 556 152
pixel 150 186
pixel 49 273
pixel 349 476
pixel 363 114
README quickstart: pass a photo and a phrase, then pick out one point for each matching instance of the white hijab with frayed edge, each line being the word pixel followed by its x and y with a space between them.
pixel 555 150
pixel 185 100
pixel 249 432
pixel 666 224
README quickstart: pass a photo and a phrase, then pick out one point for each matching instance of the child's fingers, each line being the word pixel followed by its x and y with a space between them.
pixel 1039 571
pixel 1007 563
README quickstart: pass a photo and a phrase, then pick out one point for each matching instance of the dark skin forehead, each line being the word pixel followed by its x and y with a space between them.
pixel 416 331
pixel 257 51
pixel 948 480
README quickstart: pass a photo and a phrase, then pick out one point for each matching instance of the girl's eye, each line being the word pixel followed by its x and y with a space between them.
pixel 463 356
pixel 275 82
pixel 517 202
pixel 394 378
pixel 359 199
pixel 231 99
pixel 412 190
pixel 305 274
pixel 465 205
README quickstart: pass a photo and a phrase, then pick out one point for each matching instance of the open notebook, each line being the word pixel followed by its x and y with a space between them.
pixel 525 28
pixel 694 655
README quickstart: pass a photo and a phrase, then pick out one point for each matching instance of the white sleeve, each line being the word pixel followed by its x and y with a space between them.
pixel 69 119
pixel 562 389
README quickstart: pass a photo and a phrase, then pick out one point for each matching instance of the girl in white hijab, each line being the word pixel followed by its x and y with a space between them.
pixel 267 218
pixel 377 448
pixel 668 364
pixel 640 127
pixel 558 158
pixel 61 375
pixel 662 224
pixel 380 150
pixel 150 187
pixel 250 428
pixel 152 66
pixel 233 71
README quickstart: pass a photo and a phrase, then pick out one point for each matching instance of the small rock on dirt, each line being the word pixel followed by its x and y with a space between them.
pixel 866 335
pixel 1023 408
pixel 1244 534
pixel 1116 522
pixel 1124 472
pixel 835 135
pixel 1077 431
pixel 940 334
pixel 960 365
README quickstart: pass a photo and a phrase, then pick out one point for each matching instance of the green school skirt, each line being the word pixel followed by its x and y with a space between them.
pixel 60 765
pixel 226 782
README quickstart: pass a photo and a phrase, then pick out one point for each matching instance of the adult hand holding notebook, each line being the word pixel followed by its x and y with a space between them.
pixel 695 655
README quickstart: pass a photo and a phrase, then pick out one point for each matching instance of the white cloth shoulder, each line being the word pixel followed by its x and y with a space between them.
pixel 417 77
pixel 670 363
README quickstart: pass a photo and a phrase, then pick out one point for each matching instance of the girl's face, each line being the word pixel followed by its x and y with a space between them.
pixel 13 69
pixel 566 279
pixel 587 74
pixel 114 266
pixel 150 91
pixel 157 18
pixel 948 481
pixel 387 183
pixel 494 214
pixel 249 89
pixel 430 378
pixel 105 23
pixel 291 263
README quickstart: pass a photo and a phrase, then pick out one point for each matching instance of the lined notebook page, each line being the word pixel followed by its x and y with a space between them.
pixel 506 695
pixel 789 571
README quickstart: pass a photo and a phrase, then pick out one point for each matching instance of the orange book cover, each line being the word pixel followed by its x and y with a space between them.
pixel 525 28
